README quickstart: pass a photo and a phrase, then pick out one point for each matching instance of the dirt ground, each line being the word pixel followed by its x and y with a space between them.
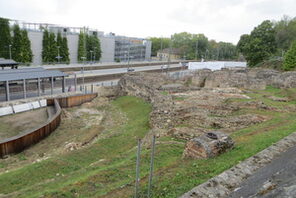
pixel 12 125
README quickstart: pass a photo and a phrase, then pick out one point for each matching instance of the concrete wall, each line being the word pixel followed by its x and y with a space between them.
pixel 148 50
pixel 73 47
pixel 108 49
pixel 36 46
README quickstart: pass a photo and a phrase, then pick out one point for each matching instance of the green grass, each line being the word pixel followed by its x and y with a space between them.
pixel 82 174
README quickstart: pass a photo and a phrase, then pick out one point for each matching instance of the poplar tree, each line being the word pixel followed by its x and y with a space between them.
pixel 5 38
pixel 65 50
pixel 26 47
pixel 53 49
pixel 17 44
pixel 45 47
pixel 81 46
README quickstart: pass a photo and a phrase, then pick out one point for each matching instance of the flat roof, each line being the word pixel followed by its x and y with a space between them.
pixel 29 73
pixel 7 62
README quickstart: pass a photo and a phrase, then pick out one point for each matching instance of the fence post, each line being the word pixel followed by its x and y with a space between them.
pixel 138 168
pixel 151 166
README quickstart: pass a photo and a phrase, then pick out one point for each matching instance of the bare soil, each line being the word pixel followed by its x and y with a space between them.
pixel 15 124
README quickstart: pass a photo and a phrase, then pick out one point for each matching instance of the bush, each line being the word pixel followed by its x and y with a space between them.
pixel 290 58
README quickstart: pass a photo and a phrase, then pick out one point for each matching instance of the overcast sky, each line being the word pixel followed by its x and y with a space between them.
pixel 222 20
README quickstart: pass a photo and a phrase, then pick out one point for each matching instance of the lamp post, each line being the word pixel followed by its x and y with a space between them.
pixel 91 57
pixel 82 71
pixel 58 57
pixel 9 51
pixel 95 49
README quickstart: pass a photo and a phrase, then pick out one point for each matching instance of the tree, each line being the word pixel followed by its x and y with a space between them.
pixel 158 44
pixel 65 50
pixel 53 48
pixel 93 48
pixel 290 58
pixel 260 45
pixel 17 44
pixel 81 46
pixel 45 47
pixel 26 47
pixel 5 38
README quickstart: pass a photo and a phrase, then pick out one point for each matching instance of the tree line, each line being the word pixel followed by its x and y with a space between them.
pixel 17 45
pixel 271 41
pixel 195 46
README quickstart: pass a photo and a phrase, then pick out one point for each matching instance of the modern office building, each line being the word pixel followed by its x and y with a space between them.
pixel 114 48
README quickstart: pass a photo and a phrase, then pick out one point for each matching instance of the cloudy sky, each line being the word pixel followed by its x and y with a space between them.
pixel 222 20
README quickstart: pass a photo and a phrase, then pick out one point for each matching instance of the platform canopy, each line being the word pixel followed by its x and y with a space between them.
pixel 29 73
pixel 8 63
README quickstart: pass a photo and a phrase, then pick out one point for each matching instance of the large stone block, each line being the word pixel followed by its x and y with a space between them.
pixel 208 145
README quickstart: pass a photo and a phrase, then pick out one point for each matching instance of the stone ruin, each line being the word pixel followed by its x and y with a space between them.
pixel 208 145
pixel 243 78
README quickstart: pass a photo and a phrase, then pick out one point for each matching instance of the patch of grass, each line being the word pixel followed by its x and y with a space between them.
pixel 165 93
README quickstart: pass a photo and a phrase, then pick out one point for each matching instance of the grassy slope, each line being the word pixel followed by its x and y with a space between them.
pixel 81 173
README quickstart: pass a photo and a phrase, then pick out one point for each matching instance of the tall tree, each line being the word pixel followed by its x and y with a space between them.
pixel 26 47
pixel 53 49
pixel 65 50
pixel 81 46
pixel 17 44
pixel 260 45
pixel 290 58
pixel 45 47
pixel 5 38
pixel 158 44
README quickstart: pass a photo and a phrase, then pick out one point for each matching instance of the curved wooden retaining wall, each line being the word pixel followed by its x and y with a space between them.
pixel 19 142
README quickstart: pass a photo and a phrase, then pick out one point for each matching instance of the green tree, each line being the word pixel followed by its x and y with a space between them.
pixel 5 38
pixel 158 44
pixel 260 45
pixel 81 46
pixel 290 58
pixel 65 50
pixel 17 44
pixel 53 48
pixel 45 47
pixel 93 48
pixel 26 47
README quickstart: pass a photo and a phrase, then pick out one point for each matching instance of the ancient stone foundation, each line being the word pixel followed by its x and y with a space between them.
pixel 208 145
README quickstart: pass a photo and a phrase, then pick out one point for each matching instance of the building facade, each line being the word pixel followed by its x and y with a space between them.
pixel 114 48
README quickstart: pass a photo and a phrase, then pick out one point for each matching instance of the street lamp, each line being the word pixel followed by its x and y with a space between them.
pixel 82 71
pixel 9 51
pixel 58 57
pixel 91 57
pixel 95 53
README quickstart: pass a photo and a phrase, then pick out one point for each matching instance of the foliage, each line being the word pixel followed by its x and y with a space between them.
pixel 5 38
pixel 81 46
pixel 62 44
pixel 285 33
pixel 26 47
pixel 16 48
pixel 158 44
pixel 45 47
pixel 93 48
pixel 195 46
pixel 290 58
pixel 259 45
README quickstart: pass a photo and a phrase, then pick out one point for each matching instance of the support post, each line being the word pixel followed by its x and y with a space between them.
pixel 63 84
pixel 51 85
pixel 138 168
pixel 38 85
pixel 92 88
pixel 7 90
pixel 151 166
pixel 75 82
pixel 24 87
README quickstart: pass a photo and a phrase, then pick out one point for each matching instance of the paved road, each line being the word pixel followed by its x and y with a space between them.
pixel 119 70
pixel 277 179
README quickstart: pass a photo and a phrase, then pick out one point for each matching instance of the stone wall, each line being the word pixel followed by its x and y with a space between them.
pixel 146 86
pixel 244 78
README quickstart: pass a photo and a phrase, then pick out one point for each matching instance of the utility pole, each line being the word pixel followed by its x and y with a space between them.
pixel 196 50
pixel 160 49
pixel 10 51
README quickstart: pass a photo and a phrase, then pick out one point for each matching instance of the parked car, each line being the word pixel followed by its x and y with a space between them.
pixel 130 69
